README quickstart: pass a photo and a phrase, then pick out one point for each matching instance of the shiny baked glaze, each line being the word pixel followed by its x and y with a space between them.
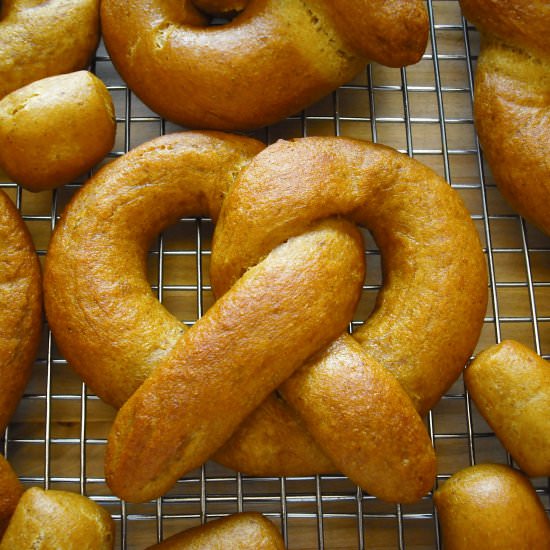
pixel 271 61
pixel 493 507
pixel 239 532
pixel 41 38
pixel 510 385
pixel 55 129
pixel 512 100
pixel 20 307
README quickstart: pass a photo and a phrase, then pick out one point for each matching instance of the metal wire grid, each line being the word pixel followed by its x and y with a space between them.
pixel 57 437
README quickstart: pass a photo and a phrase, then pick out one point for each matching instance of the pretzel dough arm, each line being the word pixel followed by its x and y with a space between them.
pixel 98 299
pixel 234 356
pixel 364 420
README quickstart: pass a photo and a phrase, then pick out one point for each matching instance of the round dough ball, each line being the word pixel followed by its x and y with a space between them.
pixel 55 129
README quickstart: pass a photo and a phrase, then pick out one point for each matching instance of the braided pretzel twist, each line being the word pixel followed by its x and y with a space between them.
pixel 275 58
pixel 20 324
pixel 512 100
pixel 199 386
pixel 41 38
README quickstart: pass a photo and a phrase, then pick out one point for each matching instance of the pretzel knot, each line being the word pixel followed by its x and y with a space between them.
pixel 287 265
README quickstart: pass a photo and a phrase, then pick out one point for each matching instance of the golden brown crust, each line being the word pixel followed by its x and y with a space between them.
pixel 521 23
pixel 55 129
pixel 493 507
pixel 512 100
pixel 430 248
pixel 271 61
pixel 43 38
pixel 244 531
pixel 10 493
pixel 242 349
pixel 510 385
pixel 380 442
pixel 84 286
pixel 20 307
pixel 50 520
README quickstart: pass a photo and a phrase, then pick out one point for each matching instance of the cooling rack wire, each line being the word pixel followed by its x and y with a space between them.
pixel 57 437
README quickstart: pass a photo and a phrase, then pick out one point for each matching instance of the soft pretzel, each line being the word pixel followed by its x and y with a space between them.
pixel 512 100
pixel 275 58
pixel 51 520
pixel 510 385
pixel 264 320
pixel 40 38
pixel 244 531
pixel 55 129
pixel 20 307
pixel 491 506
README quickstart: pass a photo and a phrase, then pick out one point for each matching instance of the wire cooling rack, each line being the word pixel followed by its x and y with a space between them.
pixel 57 437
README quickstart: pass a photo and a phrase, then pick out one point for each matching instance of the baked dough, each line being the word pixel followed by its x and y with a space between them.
pixel 20 307
pixel 10 493
pixel 510 385
pixel 512 100
pixel 55 129
pixel 271 61
pixel 244 531
pixel 114 332
pixel 51 520
pixel 491 506
pixel 40 38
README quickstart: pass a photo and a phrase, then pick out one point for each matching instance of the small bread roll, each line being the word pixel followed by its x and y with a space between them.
pixel 491 507
pixel 55 129
pixel 245 531
pixel 53 520
pixel 510 385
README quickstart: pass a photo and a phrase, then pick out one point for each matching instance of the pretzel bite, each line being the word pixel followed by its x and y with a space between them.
pixel 40 38
pixel 55 129
pixel 510 385
pixel 244 531
pixel 491 506
pixel 51 520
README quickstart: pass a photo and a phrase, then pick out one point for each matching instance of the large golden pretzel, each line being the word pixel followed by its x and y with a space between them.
pixel 512 100
pixel 290 284
pixel 274 59
pixel 40 38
